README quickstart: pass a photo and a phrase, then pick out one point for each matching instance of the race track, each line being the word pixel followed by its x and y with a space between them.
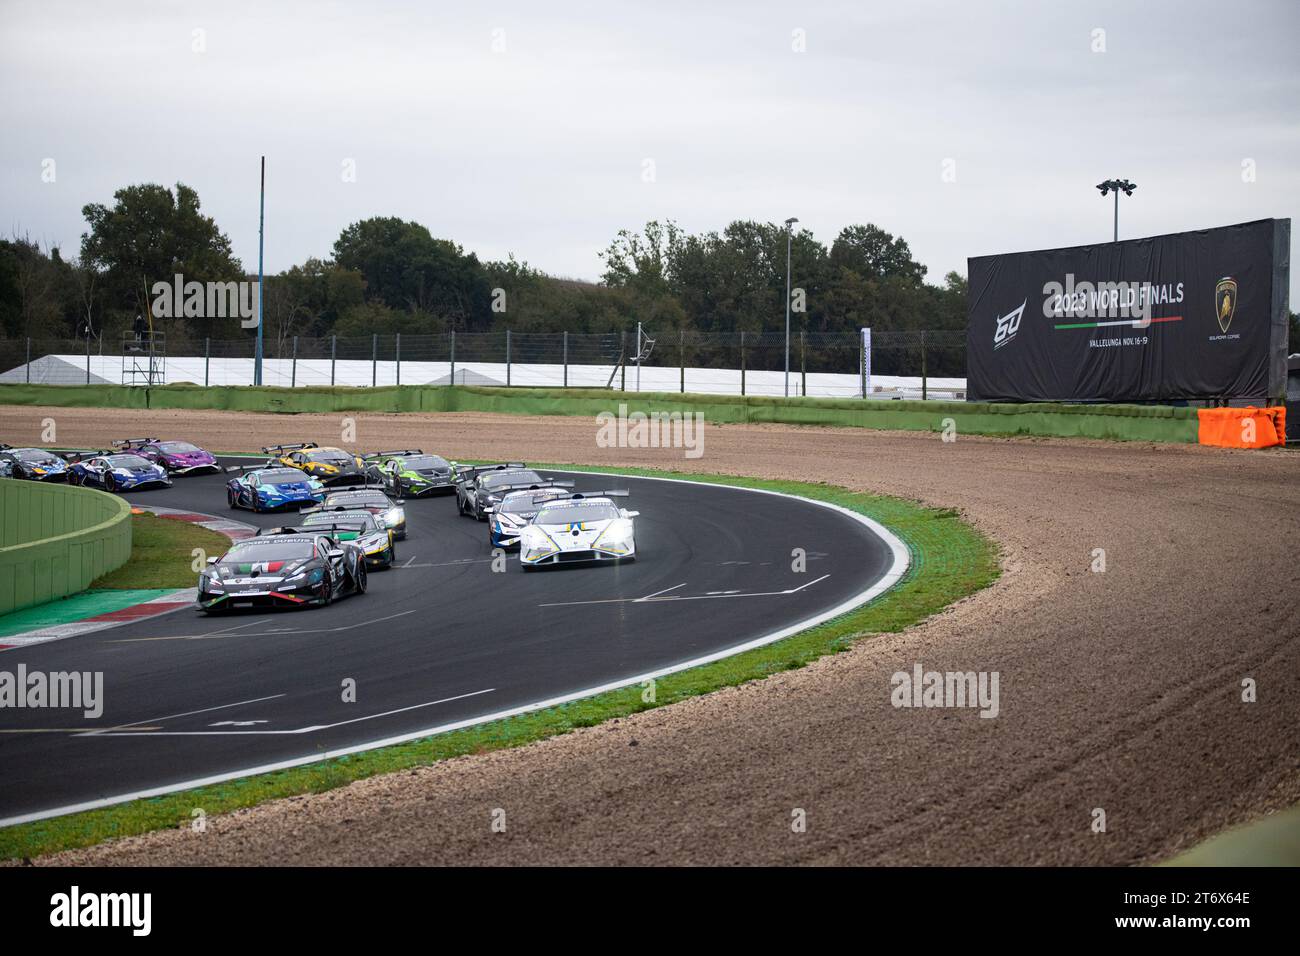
pixel 438 640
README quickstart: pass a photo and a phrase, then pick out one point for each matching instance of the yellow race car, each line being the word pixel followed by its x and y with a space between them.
pixel 330 466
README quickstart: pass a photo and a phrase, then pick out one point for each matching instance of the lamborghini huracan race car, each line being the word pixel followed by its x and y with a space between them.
pixel 388 513
pixel 266 488
pixel 482 486
pixel 359 527
pixel 118 472
pixel 578 529
pixel 410 473
pixel 178 457
pixel 332 466
pixel 34 464
pixel 506 519
pixel 282 570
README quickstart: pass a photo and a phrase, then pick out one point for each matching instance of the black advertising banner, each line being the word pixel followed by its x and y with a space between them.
pixel 1192 315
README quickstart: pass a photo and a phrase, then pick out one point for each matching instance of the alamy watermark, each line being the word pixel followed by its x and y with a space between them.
pixel 74 908
pixel 1131 301
pixel 923 688
pixel 206 300
pixel 78 690
pixel 652 430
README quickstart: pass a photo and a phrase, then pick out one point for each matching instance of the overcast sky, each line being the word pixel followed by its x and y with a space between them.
pixel 528 128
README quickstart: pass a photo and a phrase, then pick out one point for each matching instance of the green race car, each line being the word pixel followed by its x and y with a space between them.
pixel 410 473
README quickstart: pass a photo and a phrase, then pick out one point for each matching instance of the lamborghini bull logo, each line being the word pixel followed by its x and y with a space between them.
pixel 1225 301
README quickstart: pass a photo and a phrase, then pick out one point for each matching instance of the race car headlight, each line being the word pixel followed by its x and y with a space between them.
pixel 208 582
pixel 394 516
pixel 617 535
pixel 534 541
pixel 314 576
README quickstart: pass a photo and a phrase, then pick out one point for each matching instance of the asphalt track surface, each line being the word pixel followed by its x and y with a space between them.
pixel 439 639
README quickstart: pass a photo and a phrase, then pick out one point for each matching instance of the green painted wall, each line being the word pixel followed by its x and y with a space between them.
pixel 1159 423
pixel 55 540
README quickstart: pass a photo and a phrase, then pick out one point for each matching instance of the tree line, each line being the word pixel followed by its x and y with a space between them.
pixel 387 275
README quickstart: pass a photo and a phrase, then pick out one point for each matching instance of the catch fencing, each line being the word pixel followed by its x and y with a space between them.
pixel 911 364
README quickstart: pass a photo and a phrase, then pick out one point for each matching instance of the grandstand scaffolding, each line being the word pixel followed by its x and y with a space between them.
pixel 144 358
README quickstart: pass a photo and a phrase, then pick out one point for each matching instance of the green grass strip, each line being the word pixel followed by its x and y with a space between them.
pixel 950 560
pixel 162 553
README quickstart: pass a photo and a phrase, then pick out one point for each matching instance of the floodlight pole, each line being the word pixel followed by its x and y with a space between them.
pixel 261 220
pixel 1115 186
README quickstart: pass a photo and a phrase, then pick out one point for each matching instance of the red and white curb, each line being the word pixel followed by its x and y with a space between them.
pixel 232 529
pixel 163 604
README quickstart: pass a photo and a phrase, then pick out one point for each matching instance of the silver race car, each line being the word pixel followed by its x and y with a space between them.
pixel 578 528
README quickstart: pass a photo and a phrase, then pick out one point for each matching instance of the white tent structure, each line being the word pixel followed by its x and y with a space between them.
pixel 196 370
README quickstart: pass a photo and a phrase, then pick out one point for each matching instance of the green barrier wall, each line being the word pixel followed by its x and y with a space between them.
pixel 55 540
pixel 1157 423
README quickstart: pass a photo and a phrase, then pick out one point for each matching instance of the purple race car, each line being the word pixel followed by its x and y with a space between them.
pixel 178 457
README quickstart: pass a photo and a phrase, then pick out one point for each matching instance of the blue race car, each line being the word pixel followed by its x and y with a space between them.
pixel 118 472
pixel 33 464
pixel 271 487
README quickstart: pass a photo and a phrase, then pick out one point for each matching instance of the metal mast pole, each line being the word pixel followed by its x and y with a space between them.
pixel 787 311
pixel 261 220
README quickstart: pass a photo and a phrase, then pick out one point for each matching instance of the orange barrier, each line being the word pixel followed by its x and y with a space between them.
pixel 1241 427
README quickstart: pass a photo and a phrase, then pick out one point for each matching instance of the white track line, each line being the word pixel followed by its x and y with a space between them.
pixel 902 558
pixel 188 713
pixel 281 733
pixel 711 595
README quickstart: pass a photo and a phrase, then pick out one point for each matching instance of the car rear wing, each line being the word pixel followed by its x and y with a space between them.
pixel 281 449
pixel 469 472
pixel 577 495
pixel 70 454
pixel 307 529
pixel 131 442
pixel 530 486
pixel 390 454
pixel 232 469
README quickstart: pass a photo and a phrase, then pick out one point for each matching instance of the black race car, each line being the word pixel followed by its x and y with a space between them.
pixel 289 569
pixel 482 487
pixel 388 513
